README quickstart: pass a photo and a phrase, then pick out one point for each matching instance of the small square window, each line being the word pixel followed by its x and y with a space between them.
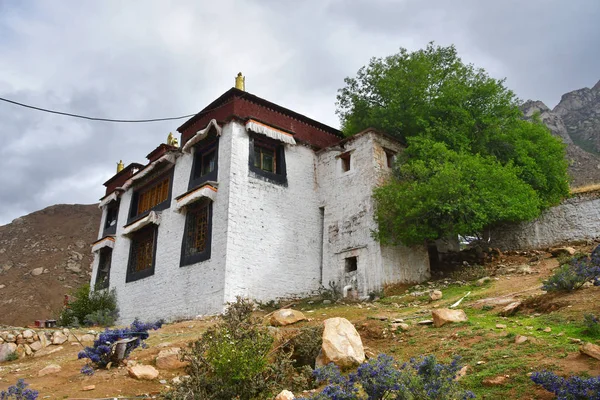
pixel 351 264
pixel 345 159
pixel 390 157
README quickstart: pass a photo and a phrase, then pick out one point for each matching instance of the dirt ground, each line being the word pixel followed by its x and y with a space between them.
pixel 488 351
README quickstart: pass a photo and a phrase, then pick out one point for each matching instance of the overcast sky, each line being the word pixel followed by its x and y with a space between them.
pixel 150 59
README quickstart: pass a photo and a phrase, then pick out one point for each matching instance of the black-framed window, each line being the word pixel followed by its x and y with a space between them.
pixel 142 253
pixel 267 159
pixel 112 213
pixel 153 196
pixel 103 273
pixel 206 162
pixel 197 236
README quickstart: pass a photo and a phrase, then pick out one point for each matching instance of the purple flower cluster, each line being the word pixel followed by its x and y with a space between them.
pixel 575 273
pixel 102 352
pixel 380 379
pixel 573 388
pixel 19 392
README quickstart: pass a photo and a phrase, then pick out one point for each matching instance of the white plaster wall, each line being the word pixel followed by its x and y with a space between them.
pixel 273 240
pixel 174 291
pixel 574 220
pixel 349 219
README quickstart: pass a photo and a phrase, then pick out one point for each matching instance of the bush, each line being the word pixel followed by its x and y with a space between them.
pixel 96 308
pixel 380 379
pixel 305 346
pixel 592 324
pixel 19 392
pixel 235 360
pixel 571 388
pixel 575 273
pixel 102 352
pixel 12 356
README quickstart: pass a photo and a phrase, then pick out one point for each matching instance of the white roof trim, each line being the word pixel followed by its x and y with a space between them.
pixel 201 134
pixel 269 131
pixel 206 191
pixel 106 242
pixel 167 158
pixel 111 197
pixel 151 218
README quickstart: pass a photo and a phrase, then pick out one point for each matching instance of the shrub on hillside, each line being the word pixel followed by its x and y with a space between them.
pixel 96 308
pixel 235 359
pixel 575 273
pixel 19 392
pixel 103 351
pixel 592 324
pixel 380 379
pixel 571 388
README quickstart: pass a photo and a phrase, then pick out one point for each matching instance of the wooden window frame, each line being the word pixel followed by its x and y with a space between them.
pixel 201 150
pixel 147 234
pixel 192 213
pixel 279 174
pixel 104 261
pixel 134 215
pixel 112 207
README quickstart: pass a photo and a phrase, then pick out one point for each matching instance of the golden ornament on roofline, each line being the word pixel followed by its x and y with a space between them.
pixel 172 140
pixel 240 82
pixel 120 166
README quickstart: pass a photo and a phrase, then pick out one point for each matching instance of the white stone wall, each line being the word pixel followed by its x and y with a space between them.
pixel 576 219
pixel 273 240
pixel 349 219
pixel 174 291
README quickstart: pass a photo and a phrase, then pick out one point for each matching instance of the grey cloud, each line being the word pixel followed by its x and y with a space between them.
pixel 141 59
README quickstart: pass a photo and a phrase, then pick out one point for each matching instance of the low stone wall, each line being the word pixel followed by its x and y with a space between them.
pixel 28 342
pixel 575 220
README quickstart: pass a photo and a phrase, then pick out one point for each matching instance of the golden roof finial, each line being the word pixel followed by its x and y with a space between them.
pixel 172 140
pixel 120 166
pixel 240 82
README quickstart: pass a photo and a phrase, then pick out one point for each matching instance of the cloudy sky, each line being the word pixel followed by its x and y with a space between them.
pixel 150 59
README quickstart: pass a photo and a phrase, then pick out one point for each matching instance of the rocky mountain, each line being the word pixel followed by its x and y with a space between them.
pixel 43 256
pixel 576 120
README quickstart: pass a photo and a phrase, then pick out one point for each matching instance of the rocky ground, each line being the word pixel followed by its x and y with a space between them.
pixel 43 256
pixel 499 347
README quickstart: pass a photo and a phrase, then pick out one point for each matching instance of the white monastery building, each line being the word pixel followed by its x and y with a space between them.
pixel 259 201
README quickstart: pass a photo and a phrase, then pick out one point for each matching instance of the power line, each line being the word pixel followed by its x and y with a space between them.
pixel 94 118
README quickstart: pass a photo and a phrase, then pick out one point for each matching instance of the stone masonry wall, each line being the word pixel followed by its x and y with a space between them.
pixel 34 343
pixel 576 219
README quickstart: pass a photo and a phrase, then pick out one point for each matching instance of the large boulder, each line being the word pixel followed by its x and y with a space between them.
pixel 169 359
pixel 443 316
pixel 591 350
pixel 286 316
pixel 285 395
pixel 6 349
pixel 341 344
pixel 143 372
pixel 510 309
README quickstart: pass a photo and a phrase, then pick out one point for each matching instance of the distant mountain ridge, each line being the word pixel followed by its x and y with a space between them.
pixel 576 120
pixel 43 256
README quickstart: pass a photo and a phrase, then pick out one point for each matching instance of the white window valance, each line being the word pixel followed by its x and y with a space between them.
pixel 108 241
pixel 201 134
pixel 168 158
pixel 207 191
pixel 107 199
pixel 152 218
pixel 269 131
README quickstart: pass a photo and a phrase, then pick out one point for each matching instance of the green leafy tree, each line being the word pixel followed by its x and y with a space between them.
pixel 471 162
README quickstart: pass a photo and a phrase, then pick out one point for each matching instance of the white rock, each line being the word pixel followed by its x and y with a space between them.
pixel 36 346
pixel 436 295
pixel 442 316
pixel 50 369
pixel 28 334
pixel 7 349
pixel 143 372
pixel 341 344
pixel 285 395
pixel 58 337
pixel 286 316
pixel 37 271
